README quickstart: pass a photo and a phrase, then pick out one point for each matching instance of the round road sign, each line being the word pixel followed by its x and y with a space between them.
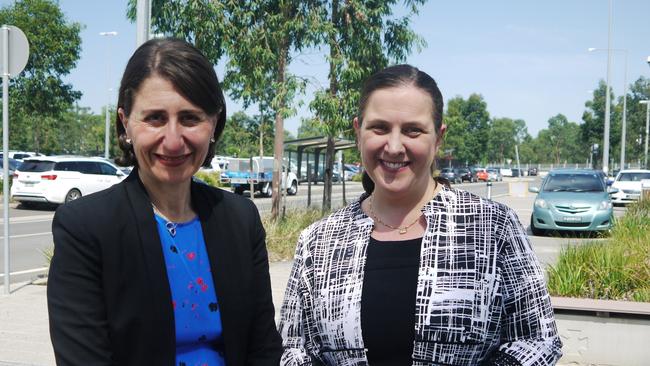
pixel 18 49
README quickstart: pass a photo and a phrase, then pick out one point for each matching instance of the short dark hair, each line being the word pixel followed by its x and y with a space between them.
pixel 395 76
pixel 187 69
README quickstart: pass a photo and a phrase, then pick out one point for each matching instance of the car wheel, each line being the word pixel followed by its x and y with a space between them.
pixel 72 195
pixel 534 230
pixel 291 191
pixel 267 190
pixel 239 190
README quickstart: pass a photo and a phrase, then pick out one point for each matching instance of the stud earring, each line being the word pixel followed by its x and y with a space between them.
pixel 128 141
pixel 212 140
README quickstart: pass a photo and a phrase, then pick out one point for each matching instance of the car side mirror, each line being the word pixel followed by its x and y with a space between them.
pixel 533 189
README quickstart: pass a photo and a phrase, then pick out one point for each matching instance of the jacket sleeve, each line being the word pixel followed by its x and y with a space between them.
pixel 529 334
pixel 292 316
pixel 77 313
pixel 265 342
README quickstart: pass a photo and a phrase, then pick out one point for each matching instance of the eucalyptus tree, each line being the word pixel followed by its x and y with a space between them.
pixel 259 38
pixel 39 96
pixel 361 37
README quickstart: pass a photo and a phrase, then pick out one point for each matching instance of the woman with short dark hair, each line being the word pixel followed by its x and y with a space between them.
pixel 159 269
pixel 414 272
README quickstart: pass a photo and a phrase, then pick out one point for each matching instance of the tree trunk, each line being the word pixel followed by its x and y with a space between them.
pixel 329 153
pixel 278 139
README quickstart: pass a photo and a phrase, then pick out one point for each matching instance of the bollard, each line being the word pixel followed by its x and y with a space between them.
pixel 489 190
pixel 308 185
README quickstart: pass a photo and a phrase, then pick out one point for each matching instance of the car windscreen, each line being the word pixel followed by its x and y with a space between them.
pixel 36 166
pixel 633 177
pixel 574 183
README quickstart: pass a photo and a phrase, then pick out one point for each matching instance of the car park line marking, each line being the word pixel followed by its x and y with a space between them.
pixel 34 218
pixel 27 271
pixel 27 235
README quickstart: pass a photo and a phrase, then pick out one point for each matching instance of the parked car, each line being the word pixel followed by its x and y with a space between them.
pixel 61 179
pixel 576 200
pixel 465 175
pixel 516 172
pixel 240 176
pixel 532 171
pixel 349 171
pixel 628 183
pixel 505 172
pixel 450 175
pixel 13 164
pixel 20 155
pixel 494 175
pixel 481 174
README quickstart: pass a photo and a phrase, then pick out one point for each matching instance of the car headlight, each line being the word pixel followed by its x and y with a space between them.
pixel 605 205
pixel 541 203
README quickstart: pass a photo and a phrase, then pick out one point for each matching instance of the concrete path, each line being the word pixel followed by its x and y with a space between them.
pixel 24 335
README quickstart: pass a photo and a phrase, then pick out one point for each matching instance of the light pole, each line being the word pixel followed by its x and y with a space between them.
pixel 624 118
pixel 107 131
pixel 647 125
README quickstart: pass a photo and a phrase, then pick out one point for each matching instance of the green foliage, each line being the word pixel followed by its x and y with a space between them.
pixel 39 96
pixel 211 178
pixel 363 37
pixel 617 268
pixel 282 234
pixel 468 124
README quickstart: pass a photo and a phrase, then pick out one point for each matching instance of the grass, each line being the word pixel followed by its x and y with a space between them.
pixel 282 234
pixel 616 268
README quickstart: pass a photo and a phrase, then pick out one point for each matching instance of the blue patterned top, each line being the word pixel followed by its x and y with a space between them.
pixel 199 338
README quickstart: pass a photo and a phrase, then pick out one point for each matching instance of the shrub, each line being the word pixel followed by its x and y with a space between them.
pixel 282 234
pixel 211 178
pixel 616 268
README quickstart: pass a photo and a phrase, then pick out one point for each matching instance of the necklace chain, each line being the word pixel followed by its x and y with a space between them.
pixel 170 225
pixel 402 229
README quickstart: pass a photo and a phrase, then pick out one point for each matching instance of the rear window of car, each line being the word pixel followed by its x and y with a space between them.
pixel 633 177
pixel 574 183
pixel 36 166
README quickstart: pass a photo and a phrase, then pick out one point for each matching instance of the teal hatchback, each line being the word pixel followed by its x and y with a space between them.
pixel 575 200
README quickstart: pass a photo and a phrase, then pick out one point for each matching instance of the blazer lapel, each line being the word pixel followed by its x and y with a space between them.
pixel 156 271
pixel 225 275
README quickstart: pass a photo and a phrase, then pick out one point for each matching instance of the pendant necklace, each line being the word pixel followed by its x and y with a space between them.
pixel 402 229
pixel 171 229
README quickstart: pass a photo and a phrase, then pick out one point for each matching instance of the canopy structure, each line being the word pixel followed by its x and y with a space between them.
pixel 314 145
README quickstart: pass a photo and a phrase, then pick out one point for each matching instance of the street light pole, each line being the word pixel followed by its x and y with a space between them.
pixel 647 125
pixel 107 129
pixel 607 98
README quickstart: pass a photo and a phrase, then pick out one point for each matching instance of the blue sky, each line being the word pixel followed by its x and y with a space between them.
pixel 528 59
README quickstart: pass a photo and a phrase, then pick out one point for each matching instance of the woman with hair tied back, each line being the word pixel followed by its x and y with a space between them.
pixel 159 269
pixel 414 272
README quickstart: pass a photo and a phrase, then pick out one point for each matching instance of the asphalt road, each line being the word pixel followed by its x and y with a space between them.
pixel 30 230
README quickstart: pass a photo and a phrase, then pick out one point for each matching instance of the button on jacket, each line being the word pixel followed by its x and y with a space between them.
pixel 481 296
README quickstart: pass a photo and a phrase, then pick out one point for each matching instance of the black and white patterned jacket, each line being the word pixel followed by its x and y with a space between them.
pixel 481 295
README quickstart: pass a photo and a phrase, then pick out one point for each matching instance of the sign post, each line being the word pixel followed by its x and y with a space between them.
pixel 14 51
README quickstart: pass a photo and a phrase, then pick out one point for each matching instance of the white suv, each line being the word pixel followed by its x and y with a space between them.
pixel 59 179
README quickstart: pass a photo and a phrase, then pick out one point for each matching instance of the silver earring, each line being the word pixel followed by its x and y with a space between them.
pixel 128 141
pixel 212 140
